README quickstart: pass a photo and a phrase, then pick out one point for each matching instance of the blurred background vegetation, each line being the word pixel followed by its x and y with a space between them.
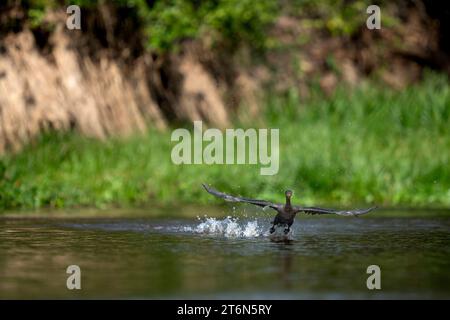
pixel 364 115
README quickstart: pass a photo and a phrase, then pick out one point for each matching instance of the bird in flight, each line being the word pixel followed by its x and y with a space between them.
pixel 285 212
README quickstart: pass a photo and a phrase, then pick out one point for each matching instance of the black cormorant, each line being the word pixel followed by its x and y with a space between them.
pixel 285 212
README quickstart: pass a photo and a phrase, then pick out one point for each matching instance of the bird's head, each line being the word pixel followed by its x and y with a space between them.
pixel 288 194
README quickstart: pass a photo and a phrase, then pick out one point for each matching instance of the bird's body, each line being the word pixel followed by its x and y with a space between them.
pixel 284 217
pixel 285 212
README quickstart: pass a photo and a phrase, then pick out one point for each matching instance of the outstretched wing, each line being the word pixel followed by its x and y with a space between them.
pixel 227 197
pixel 315 210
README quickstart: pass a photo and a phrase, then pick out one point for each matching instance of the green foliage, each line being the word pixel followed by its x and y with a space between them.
pixel 369 145
pixel 36 10
pixel 171 21
pixel 226 23
pixel 241 20
pixel 340 17
pixel 166 23
pixel 231 22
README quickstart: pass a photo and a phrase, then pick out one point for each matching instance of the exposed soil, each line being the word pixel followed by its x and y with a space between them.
pixel 102 82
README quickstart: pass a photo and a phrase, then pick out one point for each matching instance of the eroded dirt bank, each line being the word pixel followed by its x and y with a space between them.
pixel 100 81
pixel 99 96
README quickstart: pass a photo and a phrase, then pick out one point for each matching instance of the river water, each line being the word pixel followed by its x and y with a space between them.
pixel 134 256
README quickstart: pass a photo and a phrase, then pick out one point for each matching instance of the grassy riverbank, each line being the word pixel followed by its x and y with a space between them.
pixel 368 145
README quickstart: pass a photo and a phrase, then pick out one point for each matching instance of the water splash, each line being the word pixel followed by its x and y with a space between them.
pixel 229 227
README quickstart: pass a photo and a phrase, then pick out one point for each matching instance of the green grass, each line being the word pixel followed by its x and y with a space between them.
pixel 367 145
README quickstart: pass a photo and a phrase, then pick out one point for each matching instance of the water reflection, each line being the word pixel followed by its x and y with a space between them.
pixel 285 260
pixel 171 258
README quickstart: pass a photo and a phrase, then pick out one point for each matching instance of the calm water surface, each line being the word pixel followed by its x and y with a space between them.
pixel 139 257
